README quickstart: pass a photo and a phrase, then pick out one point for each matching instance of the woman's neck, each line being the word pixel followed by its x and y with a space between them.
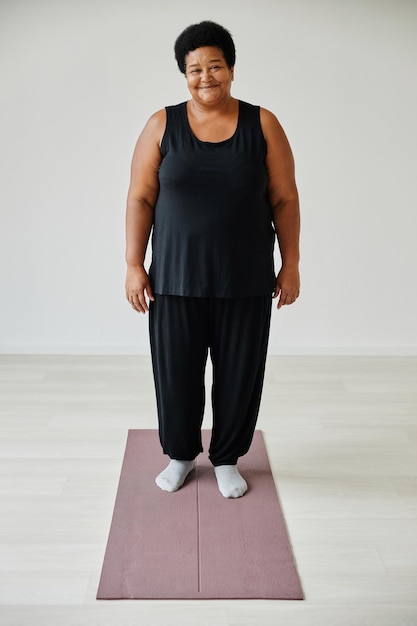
pixel 200 109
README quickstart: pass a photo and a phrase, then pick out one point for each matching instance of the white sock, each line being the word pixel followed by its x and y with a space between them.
pixel 173 477
pixel 230 482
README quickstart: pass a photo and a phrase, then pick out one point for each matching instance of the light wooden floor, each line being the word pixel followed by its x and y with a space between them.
pixel 342 439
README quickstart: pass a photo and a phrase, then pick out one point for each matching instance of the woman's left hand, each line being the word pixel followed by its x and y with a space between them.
pixel 287 286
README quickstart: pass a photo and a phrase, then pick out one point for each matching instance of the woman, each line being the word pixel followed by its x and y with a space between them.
pixel 214 178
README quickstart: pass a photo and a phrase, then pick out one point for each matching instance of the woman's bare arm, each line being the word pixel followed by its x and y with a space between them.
pixel 283 196
pixel 142 196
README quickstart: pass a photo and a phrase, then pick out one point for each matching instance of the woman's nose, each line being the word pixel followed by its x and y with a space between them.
pixel 205 75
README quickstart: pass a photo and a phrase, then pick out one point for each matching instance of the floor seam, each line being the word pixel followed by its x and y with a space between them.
pixel 198 533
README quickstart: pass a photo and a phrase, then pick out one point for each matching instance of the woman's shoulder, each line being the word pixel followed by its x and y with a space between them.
pixel 156 125
pixel 176 107
pixel 267 117
pixel 268 120
pixel 154 128
pixel 275 137
pixel 270 123
pixel 248 105
pixel 153 131
pixel 157 118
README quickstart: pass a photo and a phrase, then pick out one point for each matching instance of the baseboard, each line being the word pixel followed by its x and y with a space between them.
pixel 143 349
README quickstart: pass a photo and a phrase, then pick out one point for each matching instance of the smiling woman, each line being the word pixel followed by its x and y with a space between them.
pixel 213 179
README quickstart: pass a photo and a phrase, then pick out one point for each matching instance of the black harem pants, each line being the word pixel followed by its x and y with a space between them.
pixel 183 331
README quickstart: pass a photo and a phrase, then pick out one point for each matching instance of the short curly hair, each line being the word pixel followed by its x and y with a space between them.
pixel 205 33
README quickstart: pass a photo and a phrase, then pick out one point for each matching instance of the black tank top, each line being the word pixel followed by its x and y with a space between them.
pixel 212 232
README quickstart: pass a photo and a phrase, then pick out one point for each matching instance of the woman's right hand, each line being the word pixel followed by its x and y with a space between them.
pixel 138 286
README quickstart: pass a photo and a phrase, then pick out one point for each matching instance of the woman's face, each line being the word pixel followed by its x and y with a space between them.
pixel 208 76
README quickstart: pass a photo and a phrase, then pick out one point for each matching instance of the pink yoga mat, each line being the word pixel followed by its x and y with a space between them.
pixel 195 543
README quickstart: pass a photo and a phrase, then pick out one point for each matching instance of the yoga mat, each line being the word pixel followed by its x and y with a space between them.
pixel 195 543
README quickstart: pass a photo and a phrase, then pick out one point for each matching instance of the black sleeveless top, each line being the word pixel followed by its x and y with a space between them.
pixel 212 232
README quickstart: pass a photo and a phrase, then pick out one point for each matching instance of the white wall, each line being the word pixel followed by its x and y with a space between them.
pixel 80 78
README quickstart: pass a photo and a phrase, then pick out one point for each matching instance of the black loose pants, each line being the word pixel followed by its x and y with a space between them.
pixel 183 330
